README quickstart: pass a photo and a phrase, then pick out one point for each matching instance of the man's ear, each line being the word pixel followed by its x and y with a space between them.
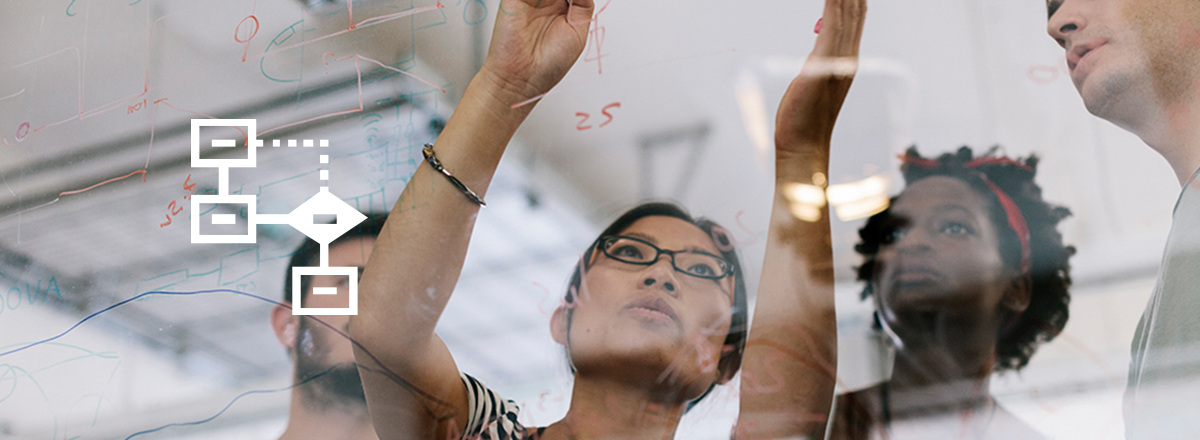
pixel 560 326
pixel 1018 295
pixel 284 324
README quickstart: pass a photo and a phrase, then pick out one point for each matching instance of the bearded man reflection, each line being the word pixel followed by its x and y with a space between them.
pixel 327 399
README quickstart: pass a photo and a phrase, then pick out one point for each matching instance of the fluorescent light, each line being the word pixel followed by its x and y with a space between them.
pixel 860 199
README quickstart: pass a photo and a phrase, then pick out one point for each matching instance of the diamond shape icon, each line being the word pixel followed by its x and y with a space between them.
pixel 324 203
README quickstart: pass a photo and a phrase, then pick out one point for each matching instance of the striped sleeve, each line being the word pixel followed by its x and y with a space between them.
pixel 489 417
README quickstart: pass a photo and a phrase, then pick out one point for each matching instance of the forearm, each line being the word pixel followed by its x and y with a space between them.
pixel 789 369
pixel 411 379
pixel 409 375
pixel 419 254
pixel 790 364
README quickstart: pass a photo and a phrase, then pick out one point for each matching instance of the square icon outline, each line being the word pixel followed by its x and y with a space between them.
pixel 298 308
pixel 251 235
pixel 252 140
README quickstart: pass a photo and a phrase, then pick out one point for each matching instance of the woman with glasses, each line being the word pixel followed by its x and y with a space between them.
pixel 655 312
pixel 655 315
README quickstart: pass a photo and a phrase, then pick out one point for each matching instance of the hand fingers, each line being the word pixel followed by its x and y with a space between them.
pixel 573 6
pixel 836 50
pixel 589 4
pixel 579 12
pixel 841 28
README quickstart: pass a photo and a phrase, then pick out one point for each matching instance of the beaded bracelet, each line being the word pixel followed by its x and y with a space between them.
pixel 437 165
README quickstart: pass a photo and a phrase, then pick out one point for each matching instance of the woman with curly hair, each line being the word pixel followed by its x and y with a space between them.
pixel 968 274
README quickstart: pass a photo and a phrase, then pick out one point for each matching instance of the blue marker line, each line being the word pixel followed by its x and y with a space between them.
pixel 391 375
pixel 231 402
pixel 135 298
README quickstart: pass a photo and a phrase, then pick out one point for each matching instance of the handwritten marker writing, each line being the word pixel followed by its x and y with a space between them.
pixel 245 30
pixel 581 127
pixel 22 131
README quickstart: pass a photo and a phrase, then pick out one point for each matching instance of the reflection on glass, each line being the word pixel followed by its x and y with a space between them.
pixel 968 275
pixel 327 399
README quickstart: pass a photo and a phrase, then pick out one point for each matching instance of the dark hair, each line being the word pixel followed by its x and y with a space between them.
pixel 729 362
pixel 1049 297
pixel 309 252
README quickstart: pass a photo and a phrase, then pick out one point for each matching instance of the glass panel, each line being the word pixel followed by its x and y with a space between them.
pixel 164 162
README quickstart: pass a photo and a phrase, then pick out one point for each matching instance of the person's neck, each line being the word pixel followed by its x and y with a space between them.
pixel 928 381
pixel 612 409
pixel 340 423
pixel 1173 130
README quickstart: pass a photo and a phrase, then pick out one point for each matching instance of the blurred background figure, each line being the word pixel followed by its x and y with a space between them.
pixel 327 399
pixel 968 274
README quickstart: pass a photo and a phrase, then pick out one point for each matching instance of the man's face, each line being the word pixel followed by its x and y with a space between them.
pixel 1126 55
pixel 325 358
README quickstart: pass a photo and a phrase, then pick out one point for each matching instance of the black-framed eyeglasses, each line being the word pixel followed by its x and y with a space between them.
pixel 636 251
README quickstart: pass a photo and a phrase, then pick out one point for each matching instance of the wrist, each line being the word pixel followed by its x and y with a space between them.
pixel 800 165
pixel 491 103
pixel 510 90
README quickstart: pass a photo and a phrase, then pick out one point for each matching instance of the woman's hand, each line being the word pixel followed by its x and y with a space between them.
pixel 413 387
pixel 793 339
pixel 811 104
pixel 534 44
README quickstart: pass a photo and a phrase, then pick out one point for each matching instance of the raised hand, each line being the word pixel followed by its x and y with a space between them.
pixel 535 43
pixel 412 384
pixel 811 104
pixel 793 339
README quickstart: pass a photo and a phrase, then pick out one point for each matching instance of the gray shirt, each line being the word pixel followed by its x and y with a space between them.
pixel 1162 396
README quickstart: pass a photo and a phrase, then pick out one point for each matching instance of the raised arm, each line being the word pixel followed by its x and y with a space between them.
pixel 789 368
pixel 411 381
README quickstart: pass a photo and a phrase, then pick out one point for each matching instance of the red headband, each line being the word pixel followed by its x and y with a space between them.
pixel 1015 220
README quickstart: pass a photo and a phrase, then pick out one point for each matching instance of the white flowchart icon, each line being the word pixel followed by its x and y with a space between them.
pixel 302 218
